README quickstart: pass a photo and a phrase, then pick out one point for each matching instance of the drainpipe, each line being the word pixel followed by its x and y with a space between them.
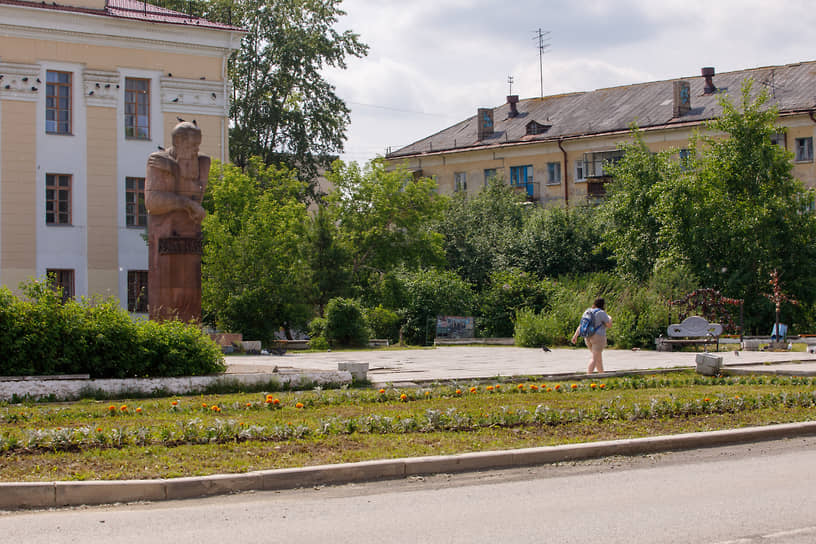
pixel 566 174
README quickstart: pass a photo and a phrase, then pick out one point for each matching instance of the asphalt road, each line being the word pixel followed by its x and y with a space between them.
pixel 741 494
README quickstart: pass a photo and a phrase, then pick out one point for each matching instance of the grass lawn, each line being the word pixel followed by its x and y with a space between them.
pixel 187 436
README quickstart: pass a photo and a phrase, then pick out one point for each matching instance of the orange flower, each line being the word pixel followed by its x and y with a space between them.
pixel 174 403
pixel 427 393
pixel 706 399
pixel 382 391
pixel 275 402
pixel 458 391
pixel 123 408
pixel 139 410
pixel 269 398
pixel 204 405
pixel 498 386
pixel 574 386
pixel 248 404
pixel 520 386
pixel 602 386
pixel 549 390
pixel 557 386
pixel 299 405
pixel 593 385
pixel 403 397
pixel 534 387
pixel 473 389
pixel 489 388
pixel 99 429
pixel 215 408
pixel 112 408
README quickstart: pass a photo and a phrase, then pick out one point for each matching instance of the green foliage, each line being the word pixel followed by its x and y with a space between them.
pixel 282 107
pixel 421 295
pixel 482 233
pixel 42 335
pixel 317 327
pixel 319 343
pixel 383 217
pixel 326 262
pixel 253 272
pixel 557 241
pixel 345 323
pixel 383 323
pixel 731 213
pixel 507 293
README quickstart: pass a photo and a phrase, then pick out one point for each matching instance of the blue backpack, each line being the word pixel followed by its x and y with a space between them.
pixel 587 327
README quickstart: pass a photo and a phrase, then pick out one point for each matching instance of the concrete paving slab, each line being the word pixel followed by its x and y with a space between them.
pixel 474 362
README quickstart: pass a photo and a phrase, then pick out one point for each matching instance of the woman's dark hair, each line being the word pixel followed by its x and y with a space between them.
pixel 599 303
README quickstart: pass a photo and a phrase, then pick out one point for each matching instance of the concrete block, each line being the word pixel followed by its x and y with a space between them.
pixel 108 492
pixel 16 495
pixel 218 484
pixel 359 371
pixel 709 364
pixel 750 345
pixel 457 463
pixel 251 346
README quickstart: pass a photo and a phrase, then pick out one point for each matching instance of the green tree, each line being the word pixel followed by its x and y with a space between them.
pixel 508 292
pixel 558 241
pixel 327 263
pixel 633 232
pixel 482 233
pixel 253 274
pixel 283 109
pixel 384 218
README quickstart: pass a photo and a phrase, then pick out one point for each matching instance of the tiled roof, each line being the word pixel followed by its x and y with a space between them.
pixel 131 9
pixel 791 89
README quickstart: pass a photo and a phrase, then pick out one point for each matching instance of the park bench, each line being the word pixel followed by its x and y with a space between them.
pixel 692 331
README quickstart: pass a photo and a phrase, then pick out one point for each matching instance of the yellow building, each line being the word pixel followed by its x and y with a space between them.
pixel 554 148
pixel 88 89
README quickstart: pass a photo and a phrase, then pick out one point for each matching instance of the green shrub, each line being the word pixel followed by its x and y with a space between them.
pixel 383 323
pixel 345 324
pixel 318 343
pixel 508 292
pixel 42 335
pixel 317 327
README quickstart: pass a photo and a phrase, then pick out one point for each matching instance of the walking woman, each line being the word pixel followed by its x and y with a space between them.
pixel 594 333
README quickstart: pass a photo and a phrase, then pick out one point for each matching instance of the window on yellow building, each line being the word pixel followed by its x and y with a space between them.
pixel 137 108
pixel 57 199
pixel 137 291
pixel 61 280
pixel 490 174
pixel 57 102
pixel 804 150
pixel 553 173
pixel 460 181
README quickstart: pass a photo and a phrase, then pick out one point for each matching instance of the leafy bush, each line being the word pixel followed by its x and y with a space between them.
pixel 345 324
pixel 42 335
pixel 317 327
pixel 383 323
pixel 507 292
pixel 421 295
pixel 319 343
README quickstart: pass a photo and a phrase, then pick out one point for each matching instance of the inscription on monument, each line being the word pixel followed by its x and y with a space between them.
pixel 179 245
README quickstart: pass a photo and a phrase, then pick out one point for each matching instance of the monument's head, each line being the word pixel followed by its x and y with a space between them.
pixel 186 139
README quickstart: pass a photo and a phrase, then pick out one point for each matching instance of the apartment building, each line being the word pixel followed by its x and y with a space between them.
pixel 554 149
pixel 88 89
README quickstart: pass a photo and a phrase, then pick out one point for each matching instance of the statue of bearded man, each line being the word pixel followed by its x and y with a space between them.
pixel 174 186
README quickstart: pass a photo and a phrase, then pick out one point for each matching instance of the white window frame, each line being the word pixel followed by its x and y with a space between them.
pixel 580 171
pixel 804 149
pixel 553 173
pixel 460 181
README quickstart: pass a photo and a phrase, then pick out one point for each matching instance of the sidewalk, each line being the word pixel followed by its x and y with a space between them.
pixel 484 362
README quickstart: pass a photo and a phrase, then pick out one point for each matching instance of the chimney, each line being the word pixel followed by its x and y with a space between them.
pixel 512 100
pixel 708 74
pixel 682 98
pixel 484 120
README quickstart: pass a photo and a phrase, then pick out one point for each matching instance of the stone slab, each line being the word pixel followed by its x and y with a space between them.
pixel 108 492
pixel 16 495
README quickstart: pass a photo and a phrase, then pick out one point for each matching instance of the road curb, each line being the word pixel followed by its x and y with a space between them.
pixel 33 495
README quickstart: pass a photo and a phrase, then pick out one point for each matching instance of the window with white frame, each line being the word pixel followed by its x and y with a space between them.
pixel 460 181
pixel 804 150
pixel 490 174
pixel 58 102
pixel 779 138
pixel 553 173
pixel 580 171
pixel 61 280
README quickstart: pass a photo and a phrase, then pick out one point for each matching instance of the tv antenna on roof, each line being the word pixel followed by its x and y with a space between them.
pixel 769 82
pixel 542 37
pixel 510 82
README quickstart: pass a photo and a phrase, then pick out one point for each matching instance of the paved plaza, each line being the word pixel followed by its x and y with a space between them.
pixel 471 362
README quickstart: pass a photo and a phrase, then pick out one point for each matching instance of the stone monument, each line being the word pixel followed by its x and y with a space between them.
pixel 174 186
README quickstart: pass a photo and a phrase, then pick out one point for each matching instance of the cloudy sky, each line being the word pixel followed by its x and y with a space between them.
pixel 432 63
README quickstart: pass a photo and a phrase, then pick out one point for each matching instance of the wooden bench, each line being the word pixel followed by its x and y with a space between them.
pixel 692 331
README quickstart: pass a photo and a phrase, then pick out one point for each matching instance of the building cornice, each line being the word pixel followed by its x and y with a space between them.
pixel 101 88
pixel 194 96
pixel 19 81
pixel 102 30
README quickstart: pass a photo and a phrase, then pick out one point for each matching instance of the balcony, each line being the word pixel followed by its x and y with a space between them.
pixel 531 190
